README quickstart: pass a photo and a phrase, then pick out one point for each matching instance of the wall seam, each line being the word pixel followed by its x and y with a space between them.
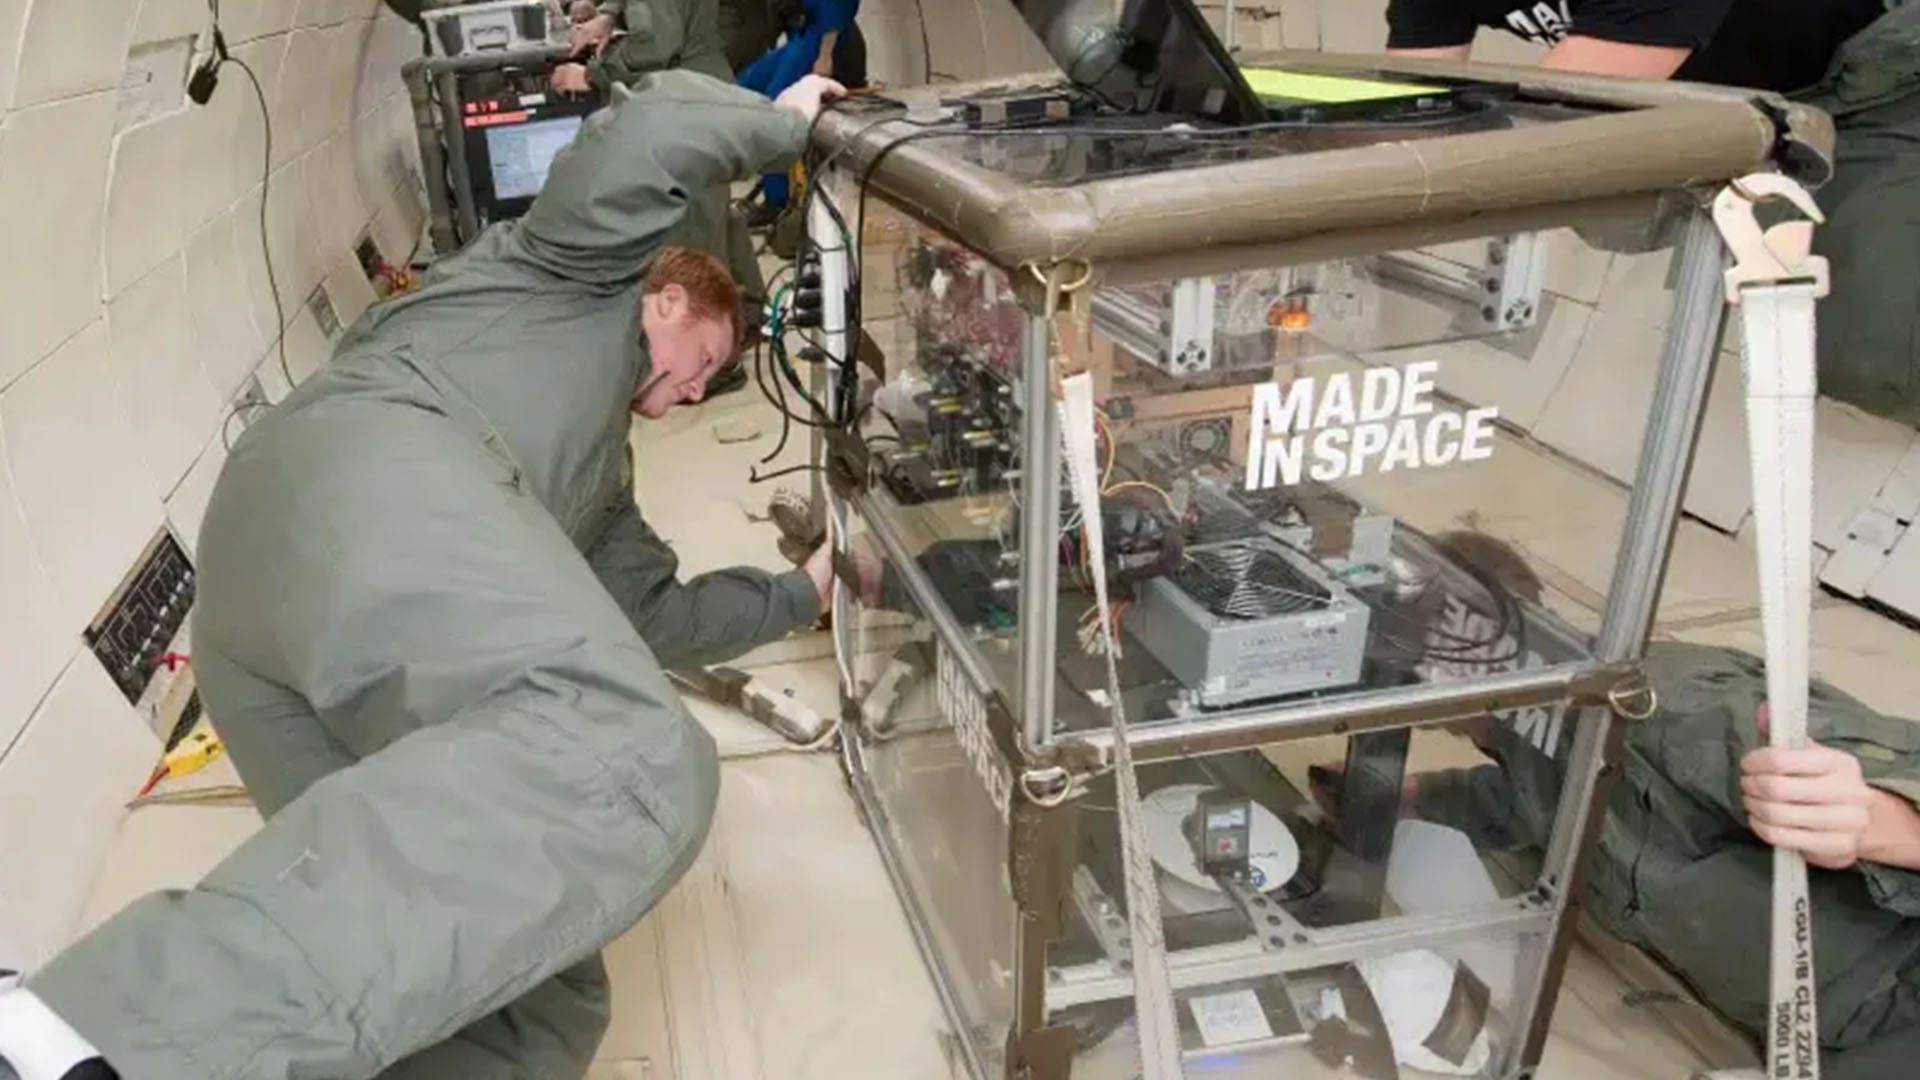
pixel 40 703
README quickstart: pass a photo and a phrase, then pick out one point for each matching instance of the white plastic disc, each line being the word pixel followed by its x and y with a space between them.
pixel 1275 854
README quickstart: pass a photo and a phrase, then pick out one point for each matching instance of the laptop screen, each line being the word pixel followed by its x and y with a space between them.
pixel 520 154
pixel 1144 55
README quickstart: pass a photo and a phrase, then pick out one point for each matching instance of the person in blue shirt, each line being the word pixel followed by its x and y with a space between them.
pixel 821 39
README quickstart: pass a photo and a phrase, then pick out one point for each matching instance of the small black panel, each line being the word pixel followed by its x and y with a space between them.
pixel 132 634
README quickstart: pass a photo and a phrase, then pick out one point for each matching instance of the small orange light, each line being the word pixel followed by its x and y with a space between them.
pixel 1289 313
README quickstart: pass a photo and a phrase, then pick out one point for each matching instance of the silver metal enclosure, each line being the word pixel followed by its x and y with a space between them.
pixel 436 87
pixel 1314 608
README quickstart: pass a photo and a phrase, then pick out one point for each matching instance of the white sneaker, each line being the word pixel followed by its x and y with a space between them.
pixel 35 1044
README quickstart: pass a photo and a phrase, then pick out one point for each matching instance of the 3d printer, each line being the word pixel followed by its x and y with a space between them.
pixel 1259 272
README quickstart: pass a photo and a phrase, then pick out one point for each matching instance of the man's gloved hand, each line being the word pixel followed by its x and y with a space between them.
pixel 570 79
pixel 587 36
pixel 805 97
pixel 1812 800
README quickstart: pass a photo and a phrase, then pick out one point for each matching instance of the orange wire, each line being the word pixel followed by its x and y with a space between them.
pixel 1100 421
pixel 1155 488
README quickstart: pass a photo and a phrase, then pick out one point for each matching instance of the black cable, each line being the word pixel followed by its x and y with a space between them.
pixel 775 395
pixel 853 316
pixel 761 478
pixel 760 380
pixel 793 379
pixel 777 351
pixel 266 249
pixel 200 89
pixel 785 269
pixel 926 43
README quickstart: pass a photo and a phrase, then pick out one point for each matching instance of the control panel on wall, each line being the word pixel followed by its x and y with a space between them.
pixel 134 631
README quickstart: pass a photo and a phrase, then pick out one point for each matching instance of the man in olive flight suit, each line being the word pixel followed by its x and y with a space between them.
pixel 750 28
pixel 432 629
pixel 1684 868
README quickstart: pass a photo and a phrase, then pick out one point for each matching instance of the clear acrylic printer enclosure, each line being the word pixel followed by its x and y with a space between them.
pixel 1332 626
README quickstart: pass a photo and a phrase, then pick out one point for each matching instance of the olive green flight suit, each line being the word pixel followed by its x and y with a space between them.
pixel 1869 346
pixel 665 34
pixel 749 28
pixel 1679 874
pixel 431 630
pixel 658 35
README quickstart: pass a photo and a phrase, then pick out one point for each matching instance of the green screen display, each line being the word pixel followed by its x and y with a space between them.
pixel 1273 84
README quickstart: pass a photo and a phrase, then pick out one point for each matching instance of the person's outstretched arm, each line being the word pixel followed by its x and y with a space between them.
pixel 656 34
pixel 623 185
pixel 1629 40
pixel 709 618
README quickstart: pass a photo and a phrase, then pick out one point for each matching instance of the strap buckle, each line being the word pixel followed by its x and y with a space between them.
pixel 1778 254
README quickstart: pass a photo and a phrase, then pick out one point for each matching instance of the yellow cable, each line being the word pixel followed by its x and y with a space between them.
pixel 1155 488
pixel 1100 421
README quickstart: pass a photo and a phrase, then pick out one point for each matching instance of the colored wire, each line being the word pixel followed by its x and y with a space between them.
pixel 1106 429
pixel 1126 485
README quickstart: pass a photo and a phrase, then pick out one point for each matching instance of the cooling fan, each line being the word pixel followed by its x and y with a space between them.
pixel 1249 581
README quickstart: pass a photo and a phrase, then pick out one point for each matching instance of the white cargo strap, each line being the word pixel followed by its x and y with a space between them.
pixel 1156 1024
pixel 1774 281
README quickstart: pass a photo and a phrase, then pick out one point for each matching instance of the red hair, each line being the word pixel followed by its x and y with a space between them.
pixel 711 291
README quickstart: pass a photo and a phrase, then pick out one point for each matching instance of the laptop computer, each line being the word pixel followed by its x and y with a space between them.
pixel 1144 56
pixel 1162 56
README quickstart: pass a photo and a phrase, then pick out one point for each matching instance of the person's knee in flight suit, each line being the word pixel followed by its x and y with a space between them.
pixel 432 629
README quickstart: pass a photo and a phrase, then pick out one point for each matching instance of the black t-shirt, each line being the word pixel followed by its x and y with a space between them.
pixel 1769 44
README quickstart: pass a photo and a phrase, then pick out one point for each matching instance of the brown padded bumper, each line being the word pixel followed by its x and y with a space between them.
pixel 1301 206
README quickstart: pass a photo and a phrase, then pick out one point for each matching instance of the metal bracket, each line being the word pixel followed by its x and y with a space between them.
pixel 1190 337
pixel 1043 843
pixel 1516 277
pixel 1634 698
pixel 1272 925
pixel 1599 686
pixel 1064 287
pixel 1104 918
pixel 1049 786
pixel 1783 252
pixel 1042 1054
pixel 849 463
pixel 1503 296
